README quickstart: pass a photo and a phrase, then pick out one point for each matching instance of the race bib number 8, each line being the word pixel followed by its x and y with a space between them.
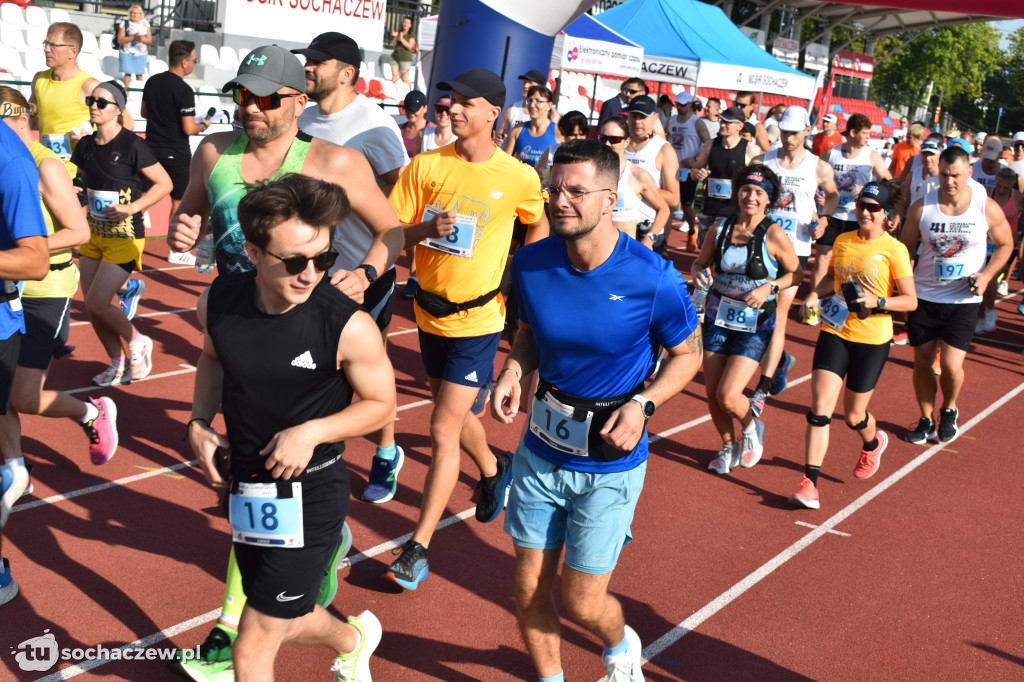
pixel 260 516
pixel 736 315
pixel 719 188
pixel 552 422
pixel 950 269
pixel 460 242
pixel 834 312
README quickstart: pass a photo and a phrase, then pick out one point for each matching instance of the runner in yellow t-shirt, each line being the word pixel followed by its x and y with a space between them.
pixel 458 204
pixel 853 344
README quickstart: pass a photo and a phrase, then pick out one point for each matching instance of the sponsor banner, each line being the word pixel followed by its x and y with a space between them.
pixel 668 70
pixel 853 64
pixel 755 34
pixel 733 77
pixel 816 57
pixel 787 51
pixel 596 56
pixel 303 20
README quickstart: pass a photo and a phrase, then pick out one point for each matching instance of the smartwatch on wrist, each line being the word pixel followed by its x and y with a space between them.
pixel 774 287
pixel 646 405
pixel 371 272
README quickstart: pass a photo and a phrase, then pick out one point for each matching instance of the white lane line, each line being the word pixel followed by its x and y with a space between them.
pixel 811 525
pixel 721 601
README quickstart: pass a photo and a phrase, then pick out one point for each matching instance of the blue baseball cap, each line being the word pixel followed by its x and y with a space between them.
pixel 959 141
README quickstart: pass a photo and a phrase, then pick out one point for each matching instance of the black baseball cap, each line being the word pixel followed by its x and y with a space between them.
pixel 332 45
pixel 414 101
pixel 478 83
pixel 879 193
pixel 733 115
pixel 643 105
pixel 264 70
pixel 535 76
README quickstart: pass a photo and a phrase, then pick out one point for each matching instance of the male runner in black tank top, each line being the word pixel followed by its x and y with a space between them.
pixel 283 353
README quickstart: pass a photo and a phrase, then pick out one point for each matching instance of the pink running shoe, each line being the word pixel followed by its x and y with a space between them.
pixel 102 431
pixel 869 461
pixel 141 351
pixel 807 496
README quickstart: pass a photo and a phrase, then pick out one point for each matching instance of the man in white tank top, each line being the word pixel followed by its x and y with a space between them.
pixel 984 170
pixel 921 174
pixel 689 136
pixel 655 155
pixel 953 225
pixel 800 173
pixel 855 164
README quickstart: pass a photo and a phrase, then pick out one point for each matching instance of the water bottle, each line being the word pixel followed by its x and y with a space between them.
pixel 205 253
pixel 700 296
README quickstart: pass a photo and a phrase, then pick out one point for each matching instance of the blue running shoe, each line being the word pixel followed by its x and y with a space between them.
pixel 8 588
pixel 494 490
pixel 410 568
pixel 129 300
pixel 1020 307
pixel 757 402
pixel 778 382
pixel 383 481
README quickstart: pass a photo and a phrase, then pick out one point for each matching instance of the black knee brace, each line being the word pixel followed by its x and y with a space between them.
pixel 863 425
pixel 818 419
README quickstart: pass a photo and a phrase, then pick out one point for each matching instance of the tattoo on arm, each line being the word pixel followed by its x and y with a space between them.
pixel 696 341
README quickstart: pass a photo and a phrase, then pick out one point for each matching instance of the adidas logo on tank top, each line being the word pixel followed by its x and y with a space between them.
pixel 305 361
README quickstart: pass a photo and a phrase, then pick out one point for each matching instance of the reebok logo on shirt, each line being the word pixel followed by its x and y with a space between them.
pixel 305 361
pixel 616 297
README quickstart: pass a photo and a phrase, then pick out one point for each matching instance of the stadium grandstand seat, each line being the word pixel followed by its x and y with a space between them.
pixel 12 36
pixel 361 86
pixel 209 56
pixel 58 14
pixel 12 15
pixel 36 16
pixel 229 59
pixel 89 43
pixel 106 47
pixel 11 66
pixel 156 66
pixel 35 35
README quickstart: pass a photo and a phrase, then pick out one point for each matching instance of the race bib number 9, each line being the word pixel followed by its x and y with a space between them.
pixel 736 315
pixel 719 188
pixel 950 269
pixel 261 516
pixel 58 144
pixel 99 200
pixel 834 312
pixel 552 422
pixel 461 241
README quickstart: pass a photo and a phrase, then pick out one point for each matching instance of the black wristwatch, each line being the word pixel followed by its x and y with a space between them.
pixel 881 303
pixel 371 272
pixel 774 287
pixel 646 405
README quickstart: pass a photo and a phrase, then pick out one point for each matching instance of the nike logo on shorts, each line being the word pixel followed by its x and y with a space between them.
pixel 283 597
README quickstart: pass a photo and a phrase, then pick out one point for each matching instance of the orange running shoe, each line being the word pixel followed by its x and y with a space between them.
pixel 807 496
pixel 869 461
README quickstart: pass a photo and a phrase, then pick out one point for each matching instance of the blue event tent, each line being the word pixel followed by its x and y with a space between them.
pixel 690 42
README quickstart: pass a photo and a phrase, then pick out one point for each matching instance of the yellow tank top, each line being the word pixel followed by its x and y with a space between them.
pixel 61 283
pixel 61 110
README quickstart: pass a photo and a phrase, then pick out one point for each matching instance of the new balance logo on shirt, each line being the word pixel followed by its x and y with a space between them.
pixel 305 361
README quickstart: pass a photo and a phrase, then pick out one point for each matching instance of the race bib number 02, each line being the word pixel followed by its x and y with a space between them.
pixel 461 241
pixel 787 223
pixel 99 200
pixel 259 516
pixel 552 422
pixel 950 269
pixel 736 315
pixel 834 312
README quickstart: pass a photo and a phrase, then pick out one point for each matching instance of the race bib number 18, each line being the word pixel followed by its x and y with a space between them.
pixel 261 516
pixel 460 242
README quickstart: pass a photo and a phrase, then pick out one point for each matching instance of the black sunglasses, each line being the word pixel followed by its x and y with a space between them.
pixel 99 102
pixel 870 208
pixel 611 139
pixel 631 91
pixel 296 264
pixel 440 110
pixel 243 98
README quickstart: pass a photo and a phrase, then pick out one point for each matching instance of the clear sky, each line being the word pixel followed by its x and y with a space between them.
pixel 1007 27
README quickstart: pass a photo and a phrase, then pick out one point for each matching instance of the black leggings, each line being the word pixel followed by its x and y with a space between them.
pixel 860 363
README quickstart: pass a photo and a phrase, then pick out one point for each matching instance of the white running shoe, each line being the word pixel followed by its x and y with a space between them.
pixel 990 321
pixel 141 351
pixel 752 446
pixel 355 666
pixel 115 375
pixel 627 666
pixel 725 460
pixel 181 257
pixel 1003 289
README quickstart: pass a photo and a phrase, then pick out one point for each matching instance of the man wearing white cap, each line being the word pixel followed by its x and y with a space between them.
pixel 801 174
pixel 689 137
pixel 828 137
pixel 979 142
pixel 1018 155
pixel 984 170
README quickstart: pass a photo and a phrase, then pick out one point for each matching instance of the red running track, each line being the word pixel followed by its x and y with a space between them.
pixel 912 574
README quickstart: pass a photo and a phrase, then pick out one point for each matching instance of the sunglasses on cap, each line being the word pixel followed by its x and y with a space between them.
pixel 611 139
pixel 295 265
pixel 98 101
pixel 870 208
pixel 243 98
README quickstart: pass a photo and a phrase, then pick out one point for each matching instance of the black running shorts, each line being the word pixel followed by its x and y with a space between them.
pixel 835 228
pixel 952 322
pixel 284 583
pixel 46 329
pixel 8 363
pixel 860 363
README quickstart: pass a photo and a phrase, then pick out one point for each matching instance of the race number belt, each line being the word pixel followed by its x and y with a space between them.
pixel 267 514
pixel 572 425
pixel 834 312
pixel 461 241
pixel 719 188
